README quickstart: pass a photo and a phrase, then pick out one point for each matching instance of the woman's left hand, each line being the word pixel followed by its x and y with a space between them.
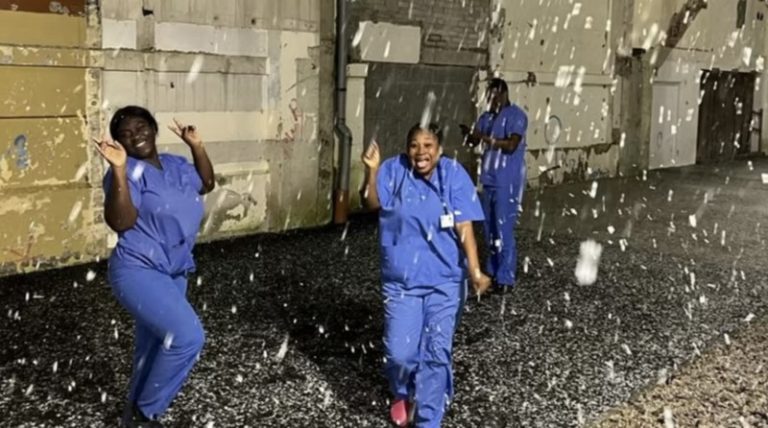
pixel 187 133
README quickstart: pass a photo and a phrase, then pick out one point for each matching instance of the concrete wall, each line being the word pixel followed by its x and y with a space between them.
pixel 253 75
pixel 445 32
pixel 569 48
pixel 712 41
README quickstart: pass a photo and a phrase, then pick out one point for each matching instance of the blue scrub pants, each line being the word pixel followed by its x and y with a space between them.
pixel 168 338
pixel 501 211
pixel 418 338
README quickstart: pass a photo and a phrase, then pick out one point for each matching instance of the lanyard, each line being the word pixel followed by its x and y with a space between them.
pixel 440 190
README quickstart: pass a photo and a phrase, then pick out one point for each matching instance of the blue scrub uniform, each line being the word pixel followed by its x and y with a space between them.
pixel 503 176
pixel 148 274
pixel 423 275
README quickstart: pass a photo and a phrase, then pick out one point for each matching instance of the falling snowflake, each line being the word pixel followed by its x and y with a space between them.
pixel 587 264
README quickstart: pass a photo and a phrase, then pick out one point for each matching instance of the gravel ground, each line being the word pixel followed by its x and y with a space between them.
pixel 294 320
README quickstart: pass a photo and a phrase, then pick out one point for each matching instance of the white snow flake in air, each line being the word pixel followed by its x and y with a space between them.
pixel 426 115
pixel 669 421
pixel 358 35
pixel 194 70
pixel 746 55
pixel 90 276
pixel 81 171
pixel 749 317
pixel 593 190
pixel 727 339
pixel 626 349
pixel 137 172
pixel 75 212
pixel 234 309
pixel 611 229
pixel 167 341
pixel 239 378
pixel 568 324
pixel 692 220
pixel 589 259
pixel 283 349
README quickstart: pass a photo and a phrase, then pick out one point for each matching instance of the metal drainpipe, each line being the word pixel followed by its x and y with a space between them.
pixel 341 194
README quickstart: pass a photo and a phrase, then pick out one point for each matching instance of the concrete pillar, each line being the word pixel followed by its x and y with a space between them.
pixel 356 75
pixel 325 137
pixel 636 77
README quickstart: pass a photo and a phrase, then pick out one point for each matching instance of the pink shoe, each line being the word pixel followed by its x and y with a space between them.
pixel 398 412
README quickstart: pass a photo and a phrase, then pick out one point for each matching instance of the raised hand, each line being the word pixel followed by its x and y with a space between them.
pixel 187 133
pixel 372 158
pixel 113 152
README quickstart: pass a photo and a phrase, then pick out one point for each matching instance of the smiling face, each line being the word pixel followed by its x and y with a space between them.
pixel 424 152
pixel 137 136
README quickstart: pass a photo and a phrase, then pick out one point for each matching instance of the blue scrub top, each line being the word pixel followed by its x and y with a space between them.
pixel 500 168
pixel 415 250
pixel 170 211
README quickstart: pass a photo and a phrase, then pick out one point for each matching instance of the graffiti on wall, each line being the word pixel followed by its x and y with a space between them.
pixel 295 124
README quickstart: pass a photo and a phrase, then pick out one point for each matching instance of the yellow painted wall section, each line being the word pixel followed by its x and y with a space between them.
pixel 49 225
pixel 61 57
pixel 36 152
pixel 46 204
pixel 42 91
pixel 41 29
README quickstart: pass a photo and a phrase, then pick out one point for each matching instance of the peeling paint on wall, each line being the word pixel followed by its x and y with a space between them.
pixel 20 149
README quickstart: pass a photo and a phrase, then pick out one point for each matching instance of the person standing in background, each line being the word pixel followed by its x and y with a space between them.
pixel 501 130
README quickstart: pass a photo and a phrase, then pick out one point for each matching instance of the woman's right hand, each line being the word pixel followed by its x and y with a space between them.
pixel 113 152
pixel 371 158
pixel 481 283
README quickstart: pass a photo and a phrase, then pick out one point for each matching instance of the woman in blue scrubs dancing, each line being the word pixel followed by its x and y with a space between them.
pixel 426 204
pixel 153 201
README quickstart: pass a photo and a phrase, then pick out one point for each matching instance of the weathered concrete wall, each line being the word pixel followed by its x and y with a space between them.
pixel 568 48
pixel 252 91
pixel 445 32
pixel 713 40
pixel 254 76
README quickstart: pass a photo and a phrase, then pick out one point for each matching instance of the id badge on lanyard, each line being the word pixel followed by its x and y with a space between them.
pixel 446 220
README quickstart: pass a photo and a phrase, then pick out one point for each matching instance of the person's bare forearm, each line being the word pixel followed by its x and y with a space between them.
pixel 469 244
pixel 508 145
pixel 119 211
pixel 204 168
pixel 369 194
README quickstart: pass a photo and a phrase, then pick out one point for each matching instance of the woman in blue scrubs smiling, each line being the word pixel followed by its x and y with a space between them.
pixel 153 202
pixel 426 204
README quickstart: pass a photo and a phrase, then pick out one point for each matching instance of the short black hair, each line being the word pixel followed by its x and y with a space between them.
pixel 497 83
pixel 431 128
pixel 130 111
